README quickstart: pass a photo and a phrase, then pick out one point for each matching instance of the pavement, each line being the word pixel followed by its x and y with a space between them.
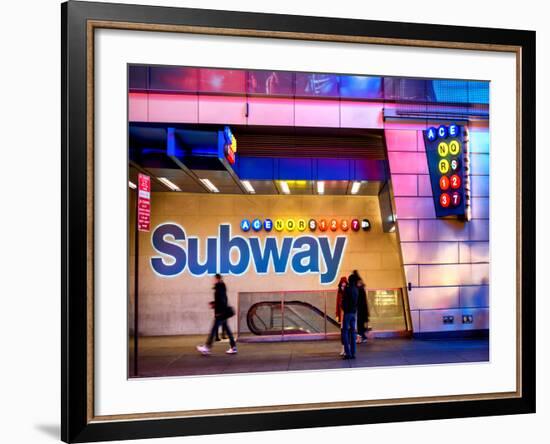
pixel 177 356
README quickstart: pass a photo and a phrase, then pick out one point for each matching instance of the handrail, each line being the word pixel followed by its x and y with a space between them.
pixel 272 304
pixel 292 311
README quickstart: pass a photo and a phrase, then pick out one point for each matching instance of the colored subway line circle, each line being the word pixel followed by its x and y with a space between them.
pixel 291 224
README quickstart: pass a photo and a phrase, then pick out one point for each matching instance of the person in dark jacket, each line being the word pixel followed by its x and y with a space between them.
pixel 362 308
pixel 349 306
pixel 222 312
pixel 339 311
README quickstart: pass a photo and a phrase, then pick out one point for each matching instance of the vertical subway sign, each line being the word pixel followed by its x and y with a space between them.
pixel 144 203
pixel 447 164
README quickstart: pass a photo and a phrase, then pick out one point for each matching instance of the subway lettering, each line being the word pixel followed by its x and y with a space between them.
pixel 305 254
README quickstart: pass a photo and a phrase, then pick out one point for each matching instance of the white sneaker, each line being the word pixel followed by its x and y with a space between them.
pixel 232 351
pixel 203 349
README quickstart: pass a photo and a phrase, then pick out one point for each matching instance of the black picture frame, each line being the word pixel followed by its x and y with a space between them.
pixel 77 424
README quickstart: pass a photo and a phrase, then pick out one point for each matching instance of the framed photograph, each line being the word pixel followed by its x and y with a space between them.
pixel 275 221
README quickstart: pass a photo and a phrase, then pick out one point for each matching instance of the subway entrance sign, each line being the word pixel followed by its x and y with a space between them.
pixel 445 152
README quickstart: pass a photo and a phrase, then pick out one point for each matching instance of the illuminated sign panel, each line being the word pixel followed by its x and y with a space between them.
pixel 301 224
pixel 230 146
pixel 178 252
pixel 144 203
pixel 445 152
pixel 295 249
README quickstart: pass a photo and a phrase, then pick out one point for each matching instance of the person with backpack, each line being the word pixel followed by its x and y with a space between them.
pixel 222 312
pixel 349 306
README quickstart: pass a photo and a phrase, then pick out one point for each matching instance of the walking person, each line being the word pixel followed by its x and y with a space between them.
pixel 349 305
pixel 339 310
pixel 362 309
pixel 223 338
pixel 222 312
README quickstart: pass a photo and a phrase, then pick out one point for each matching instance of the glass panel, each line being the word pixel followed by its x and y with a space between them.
pixel 284 83
pixel 228 81
pixel 333 325
pixel 316 85
pixel 361 87
pixel 403 89
pixel 461 91
pixel 260 314
pixel 137 77
pixel 271 83
pixel 264 314
pixel 386 310
pixel 478 92
pixel 450 91
pixel 171 78
pixel 304 312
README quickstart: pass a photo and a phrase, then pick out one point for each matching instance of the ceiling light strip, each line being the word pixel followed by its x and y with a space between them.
pixel 209 185
pixel 284 187
pixel 321 187
pixel 169 184
pixel 355 187
pixel 248 186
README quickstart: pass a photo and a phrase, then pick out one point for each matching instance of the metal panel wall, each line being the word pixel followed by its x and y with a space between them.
pixel 446 261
